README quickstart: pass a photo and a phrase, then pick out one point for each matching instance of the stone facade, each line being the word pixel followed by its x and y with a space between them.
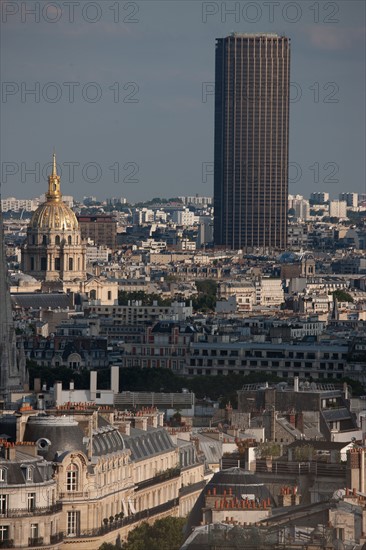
pixel 80 477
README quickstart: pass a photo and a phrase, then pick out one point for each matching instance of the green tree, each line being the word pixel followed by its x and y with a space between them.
pixel 165 534
pixel 342 296
pixel 268 449
pixel 304 453
pixel 108 546
pixel 206 295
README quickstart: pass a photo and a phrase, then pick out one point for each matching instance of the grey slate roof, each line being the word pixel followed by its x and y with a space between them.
pixel 211 448
pixel 146 443
pixel 16 469
pixel 63 433
pixel 36 300
pixel 106 440
pixel 336 414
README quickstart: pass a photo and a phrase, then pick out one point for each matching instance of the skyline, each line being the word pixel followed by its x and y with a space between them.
pixel 159 134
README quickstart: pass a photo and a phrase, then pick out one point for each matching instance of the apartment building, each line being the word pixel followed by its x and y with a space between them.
pixel 102 229
pixel 316 361
pixel 163 345
pixel 77 477
pixel 137 314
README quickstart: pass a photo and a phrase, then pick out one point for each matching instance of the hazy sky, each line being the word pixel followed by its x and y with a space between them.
pixel 119 89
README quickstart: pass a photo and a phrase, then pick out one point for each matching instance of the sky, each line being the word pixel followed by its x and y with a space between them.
pixel 123 91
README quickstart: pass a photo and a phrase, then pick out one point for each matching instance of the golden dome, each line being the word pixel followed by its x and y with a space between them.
pixel 54 214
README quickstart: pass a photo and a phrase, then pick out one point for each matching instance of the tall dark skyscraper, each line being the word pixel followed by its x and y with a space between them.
pixel 252 89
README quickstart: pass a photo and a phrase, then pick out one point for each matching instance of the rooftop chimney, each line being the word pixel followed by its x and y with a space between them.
pixel 93 385
pixel 115 379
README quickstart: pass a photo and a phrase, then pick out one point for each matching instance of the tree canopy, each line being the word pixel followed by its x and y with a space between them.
pixel 342 296
pixel 165 534
pixel 206 297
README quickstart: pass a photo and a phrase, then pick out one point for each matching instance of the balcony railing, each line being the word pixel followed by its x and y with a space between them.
pixel 35 541
pixel 24 512
pixel 144 514
pixel 304 467
pixel 57 537
pixel 159 478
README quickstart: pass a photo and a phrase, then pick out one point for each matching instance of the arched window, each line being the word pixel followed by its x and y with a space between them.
pixel 72 478
pixel 71 264
pixel 69 239
pixel 93 295
pixel 57 240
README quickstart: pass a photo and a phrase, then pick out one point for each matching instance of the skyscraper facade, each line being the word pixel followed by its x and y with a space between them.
pixel 252 89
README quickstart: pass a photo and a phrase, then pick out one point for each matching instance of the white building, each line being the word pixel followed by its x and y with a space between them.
pixel 152 245
pixel 338 209
pixel 350 198
pixel 300 205
pixel 269 292
pixel 243 291
pixel 16 205
pixel 97 254
pixel 186 244
pixel 196 200
pixel 205 231
pixel 184 217
pixel 161 216
pixel 143 215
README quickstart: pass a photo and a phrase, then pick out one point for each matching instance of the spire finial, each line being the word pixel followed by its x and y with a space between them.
pixel 54 192
pixel 54 168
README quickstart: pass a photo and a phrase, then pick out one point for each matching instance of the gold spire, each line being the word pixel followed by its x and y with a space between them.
pixel 54 191
pixel 54 168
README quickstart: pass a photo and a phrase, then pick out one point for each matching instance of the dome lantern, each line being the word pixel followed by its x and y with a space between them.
pixel 54 190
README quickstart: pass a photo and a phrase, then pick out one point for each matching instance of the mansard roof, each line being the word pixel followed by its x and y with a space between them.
pixel 149 442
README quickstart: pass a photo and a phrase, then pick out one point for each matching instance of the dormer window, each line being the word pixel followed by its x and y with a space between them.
pixel 27 472
pixel 3 473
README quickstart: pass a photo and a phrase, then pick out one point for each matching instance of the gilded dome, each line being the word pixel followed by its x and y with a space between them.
pixel 54 214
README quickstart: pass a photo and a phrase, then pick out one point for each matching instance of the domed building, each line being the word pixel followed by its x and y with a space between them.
pixel 53 249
